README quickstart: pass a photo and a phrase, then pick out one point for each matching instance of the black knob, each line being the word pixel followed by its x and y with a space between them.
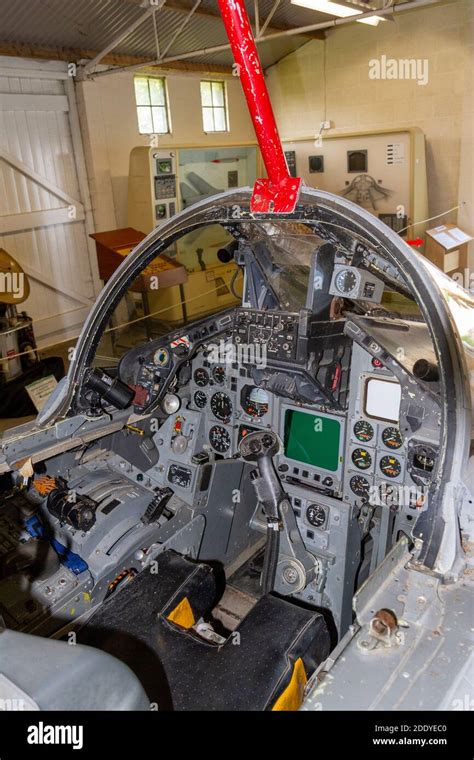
pixel 425 370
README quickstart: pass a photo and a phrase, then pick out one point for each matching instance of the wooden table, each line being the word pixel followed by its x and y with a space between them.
pixel 114 245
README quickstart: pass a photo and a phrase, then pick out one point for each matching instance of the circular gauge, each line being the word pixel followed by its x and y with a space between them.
pixel 345 281
pixel 363 431
pixel 200 399
pixel 361 458
pixel 219 439
pixel 423 459
pixel 256 402
pixel 218 373
pixel 360 486
pixel 221 406
pixel 390 466
pixel 316 515
pixel 201 377
pixel 392 438
pixel 161 357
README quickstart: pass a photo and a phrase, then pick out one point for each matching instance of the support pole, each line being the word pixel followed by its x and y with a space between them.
pixel 279 193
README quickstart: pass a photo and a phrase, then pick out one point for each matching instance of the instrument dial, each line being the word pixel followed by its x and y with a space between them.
pixel 423 462
pixel 218 373
pixel 161 357
pixel 391 438
pixel 256 402
pixel 219 439
pixel 316 515
pixel 360 486
pixel 200 399
pixel 390 466
pixel 363 431
pixel 361 458
pixel 221 406
pixel 345 281
pixel 201 377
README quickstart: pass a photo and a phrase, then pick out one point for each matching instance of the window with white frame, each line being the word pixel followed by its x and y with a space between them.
pixel 214 106
pixel 152 105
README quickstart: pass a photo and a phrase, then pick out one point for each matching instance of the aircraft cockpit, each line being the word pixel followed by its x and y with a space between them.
pixel 237 464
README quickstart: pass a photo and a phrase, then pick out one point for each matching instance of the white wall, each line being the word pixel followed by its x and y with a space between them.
pixel 109 125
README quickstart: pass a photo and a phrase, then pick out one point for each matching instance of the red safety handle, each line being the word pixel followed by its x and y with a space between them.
pixel 279 193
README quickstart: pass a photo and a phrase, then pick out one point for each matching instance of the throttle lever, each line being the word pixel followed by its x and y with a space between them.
pixel 259 448
pixel 288 567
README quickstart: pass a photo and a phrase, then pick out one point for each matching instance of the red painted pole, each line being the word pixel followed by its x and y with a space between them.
pixel 279 193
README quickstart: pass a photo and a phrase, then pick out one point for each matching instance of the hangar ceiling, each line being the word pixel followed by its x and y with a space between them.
pixel 185 34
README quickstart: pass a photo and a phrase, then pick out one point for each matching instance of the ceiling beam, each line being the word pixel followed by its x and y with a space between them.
pixel 404 5
pixel 180 28
pixel 121 36
pixel 266 23
pixel 73 55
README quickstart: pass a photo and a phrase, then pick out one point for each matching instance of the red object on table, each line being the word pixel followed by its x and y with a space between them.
pixel 279 193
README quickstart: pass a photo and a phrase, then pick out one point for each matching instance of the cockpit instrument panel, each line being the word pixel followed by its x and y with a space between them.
pixel 273 335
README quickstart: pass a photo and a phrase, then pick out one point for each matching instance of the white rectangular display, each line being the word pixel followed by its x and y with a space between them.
pixel 382 399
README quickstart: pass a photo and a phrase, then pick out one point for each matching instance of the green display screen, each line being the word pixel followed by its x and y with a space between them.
pixel 312 439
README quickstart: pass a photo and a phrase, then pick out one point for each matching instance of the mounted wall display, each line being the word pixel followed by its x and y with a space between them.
pixel 357 161
pixel 163 181
pixel 315 164
pixel 396 222
pixel 206 171
pixel 152 187
pixel 382 171
pixel 366 191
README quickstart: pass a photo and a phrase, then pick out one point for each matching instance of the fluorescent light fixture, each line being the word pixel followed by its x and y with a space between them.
pixel 371 20
pixel 336 9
